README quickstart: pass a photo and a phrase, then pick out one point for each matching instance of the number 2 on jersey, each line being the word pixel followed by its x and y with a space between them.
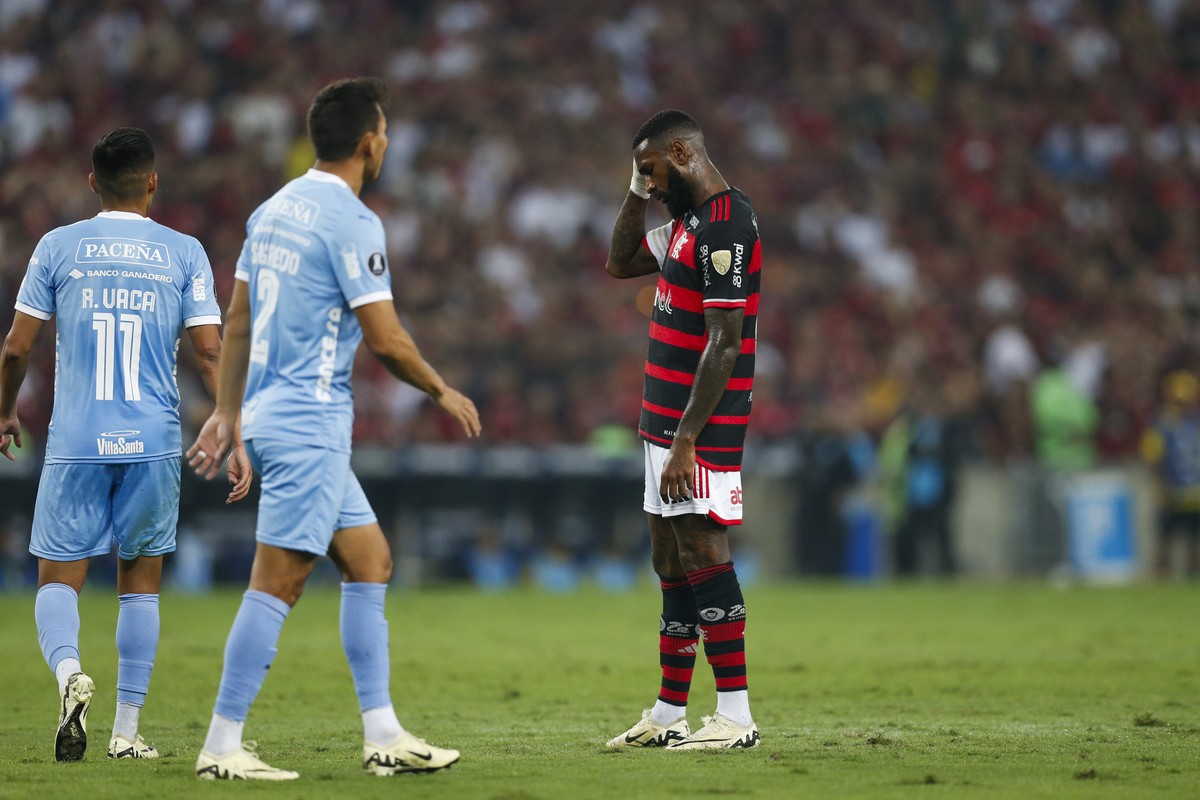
pixel 267 294
pixel 106 325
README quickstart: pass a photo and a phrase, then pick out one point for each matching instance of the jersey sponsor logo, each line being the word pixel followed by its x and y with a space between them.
pixel 377 263
pixel 721 260
pixel 120 443
pixel 298 211
pixel 103 250
pixel 350 262
pixel 126 273
pixel 264 229
pixel 199 290
pixel 663 301
pixel 692 221
pixel 76 274
pixel 329 349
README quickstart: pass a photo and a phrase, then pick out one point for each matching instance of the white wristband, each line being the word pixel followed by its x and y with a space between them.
pixel 637 184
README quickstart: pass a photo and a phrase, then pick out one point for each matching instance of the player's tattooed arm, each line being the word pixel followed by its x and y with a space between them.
pixel 628 257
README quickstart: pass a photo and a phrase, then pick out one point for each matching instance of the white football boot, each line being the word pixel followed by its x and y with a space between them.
pixel 406 753
pixel 240 765
pixel 719 733
pixel 648 733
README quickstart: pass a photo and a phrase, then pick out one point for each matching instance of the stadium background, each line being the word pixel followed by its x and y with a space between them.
pixel 958 200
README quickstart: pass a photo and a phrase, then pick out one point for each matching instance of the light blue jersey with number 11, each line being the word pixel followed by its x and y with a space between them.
pixel 313 253
pixel 122 287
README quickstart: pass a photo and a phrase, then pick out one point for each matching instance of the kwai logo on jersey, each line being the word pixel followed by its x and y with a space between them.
pixel 114 250
pixel 721 259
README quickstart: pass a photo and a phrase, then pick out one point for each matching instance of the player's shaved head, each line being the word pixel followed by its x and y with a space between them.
pixel 341 113
pixel 667 125
pixel 122 161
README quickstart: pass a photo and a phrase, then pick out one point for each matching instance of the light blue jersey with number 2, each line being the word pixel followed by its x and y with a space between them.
pixel 313 253
pixel 121 287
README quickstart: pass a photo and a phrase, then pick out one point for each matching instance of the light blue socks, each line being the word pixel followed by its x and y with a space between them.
pixel 365 640
pixel 249 652
pixel 56 612
pixel 137 642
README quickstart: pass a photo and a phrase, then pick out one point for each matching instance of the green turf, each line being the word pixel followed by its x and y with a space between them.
pixel 952 691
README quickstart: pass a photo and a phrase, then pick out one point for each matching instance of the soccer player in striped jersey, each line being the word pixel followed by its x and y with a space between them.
pixel 311 284
pixel 122 287
pixel 695 407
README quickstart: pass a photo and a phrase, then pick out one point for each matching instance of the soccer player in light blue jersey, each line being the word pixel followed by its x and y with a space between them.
pixel 312 282
pixel 121 287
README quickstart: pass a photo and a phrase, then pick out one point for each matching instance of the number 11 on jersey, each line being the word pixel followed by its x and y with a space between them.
pixel 106 326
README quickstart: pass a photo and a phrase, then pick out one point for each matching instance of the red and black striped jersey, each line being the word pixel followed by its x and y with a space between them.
pixel 710 258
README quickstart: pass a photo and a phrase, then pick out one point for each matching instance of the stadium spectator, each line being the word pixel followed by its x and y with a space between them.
pixel 920 454
pixel 1172 446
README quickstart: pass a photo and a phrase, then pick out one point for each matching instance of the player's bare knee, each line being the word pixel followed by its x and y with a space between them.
pixel 666 564
pixel 700 551
pixel 368 571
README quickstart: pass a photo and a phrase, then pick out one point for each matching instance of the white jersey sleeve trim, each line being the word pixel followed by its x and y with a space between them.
pixel 741 301
pixel 207 319
pixel 658 240
pixel 241 275
pixel 33 312
pixel 372 297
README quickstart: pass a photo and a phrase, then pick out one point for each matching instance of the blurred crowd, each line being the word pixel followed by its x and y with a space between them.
pixel 981 212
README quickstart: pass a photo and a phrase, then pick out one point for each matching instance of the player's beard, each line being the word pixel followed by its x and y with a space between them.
pixel 678 197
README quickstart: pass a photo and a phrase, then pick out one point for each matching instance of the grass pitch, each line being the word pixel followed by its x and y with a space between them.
pixel 895 691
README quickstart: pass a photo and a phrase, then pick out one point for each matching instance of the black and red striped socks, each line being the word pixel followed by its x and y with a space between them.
pixel 678 644
pixel 722 619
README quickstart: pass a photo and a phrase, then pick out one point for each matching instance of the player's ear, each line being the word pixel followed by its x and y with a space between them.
pixel 366 144
pixel 92 183
pixel 152 184
pixel 679 152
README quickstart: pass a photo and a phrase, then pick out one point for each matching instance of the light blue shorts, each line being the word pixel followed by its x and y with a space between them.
pixel 307 494
pixel 83 509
